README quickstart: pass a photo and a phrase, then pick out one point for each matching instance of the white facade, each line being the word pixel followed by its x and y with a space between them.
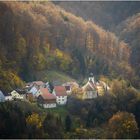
pixel 38 93
pixel 33 90
pixel 90 95
pixel 92 79
pixel 61 100
pixel 8 98
pixel 50 105
pixel 16 95
pixel 69 91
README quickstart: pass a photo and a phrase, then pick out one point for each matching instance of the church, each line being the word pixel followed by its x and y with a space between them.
pixel 90 90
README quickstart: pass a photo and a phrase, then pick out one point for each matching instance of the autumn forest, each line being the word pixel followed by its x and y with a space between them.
pixel 43 38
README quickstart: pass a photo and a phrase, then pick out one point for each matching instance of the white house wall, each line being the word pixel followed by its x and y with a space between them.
pixel 53 105
pixel 33 90
pixel 61 100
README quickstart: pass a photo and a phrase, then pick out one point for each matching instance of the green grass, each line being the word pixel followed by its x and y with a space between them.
pixel 54 76
pixel 59 110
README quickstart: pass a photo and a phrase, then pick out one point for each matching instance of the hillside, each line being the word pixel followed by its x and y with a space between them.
pixel 107 14
pixel 53 76
pixel 129 31
pixel 38 36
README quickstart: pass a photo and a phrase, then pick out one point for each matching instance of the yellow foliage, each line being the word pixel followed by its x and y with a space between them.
pixel 123 125
pixel 59 53
pixel 34 120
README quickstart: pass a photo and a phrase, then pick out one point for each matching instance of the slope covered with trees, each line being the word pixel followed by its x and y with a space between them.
pixel 36 36
pixel 129 31
pixel 107 14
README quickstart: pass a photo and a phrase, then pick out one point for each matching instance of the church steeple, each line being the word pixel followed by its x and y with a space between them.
pixel 91 78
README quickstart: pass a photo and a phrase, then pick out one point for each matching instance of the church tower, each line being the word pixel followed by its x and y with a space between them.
pixel 91 78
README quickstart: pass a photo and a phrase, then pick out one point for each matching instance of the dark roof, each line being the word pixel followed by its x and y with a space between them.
pixel 7 94
pixel 20 91
pixel 67 87
pixel 91 74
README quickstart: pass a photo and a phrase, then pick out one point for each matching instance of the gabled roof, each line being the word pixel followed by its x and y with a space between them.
pixel 7 94
pixel 20 91
pixel 33 86
pixel 14 91
pixel 89 86
pixel 60 91
pixel 39 83
pixel 46 95
pixel 44 90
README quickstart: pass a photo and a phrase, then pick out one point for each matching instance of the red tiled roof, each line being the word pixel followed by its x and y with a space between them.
pixel 46 95
pixel 60 91
pixel 44 90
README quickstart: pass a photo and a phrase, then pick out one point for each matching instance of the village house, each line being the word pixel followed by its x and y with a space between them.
pixel 22 93
pixel 47 85
pixel 38 84
pixel 16 95
pixel 34 86
pixel 61 95
pixel 34 90
pixel 90 90
pixel 102 88
pixel 2 97
pixel 41 91
pixel 8 97
pixel 46 99
pixel 68 88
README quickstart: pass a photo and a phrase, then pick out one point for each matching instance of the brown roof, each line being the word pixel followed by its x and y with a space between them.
pixel 44 90
pixel 60 91
pixel 46 95
pixel 39 83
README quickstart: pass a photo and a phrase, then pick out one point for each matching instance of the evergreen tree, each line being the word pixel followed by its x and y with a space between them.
pixel 68 123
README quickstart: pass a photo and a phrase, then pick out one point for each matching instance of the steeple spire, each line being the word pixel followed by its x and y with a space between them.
pixel 91 78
